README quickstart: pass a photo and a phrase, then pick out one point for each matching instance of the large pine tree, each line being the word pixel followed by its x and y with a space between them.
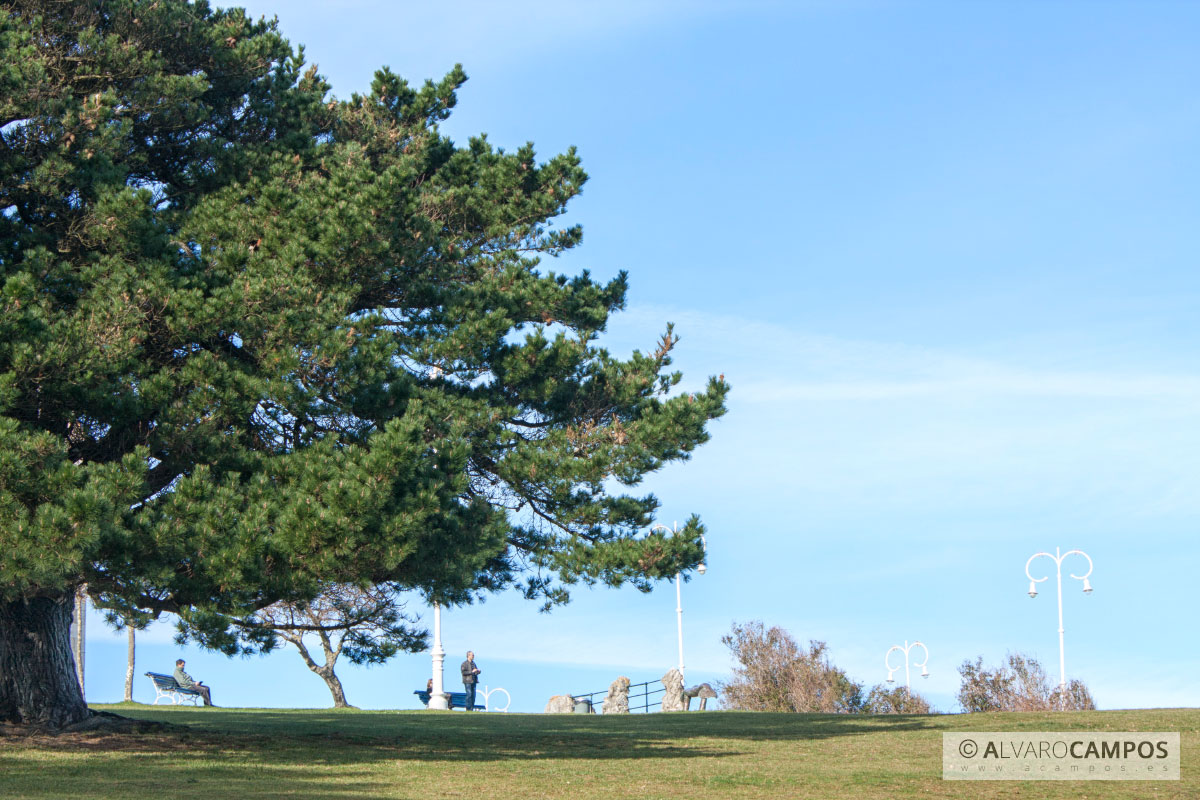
pixel 255 340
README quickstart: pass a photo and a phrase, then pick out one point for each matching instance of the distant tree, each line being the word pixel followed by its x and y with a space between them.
pixel 774 674
pixel 131 622
pixel 898 700
pixel 130 659
pixel 1020 684
pixel 366 625
pixel 256 340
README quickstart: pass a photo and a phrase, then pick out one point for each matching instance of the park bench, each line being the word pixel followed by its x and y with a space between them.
pixel 166 686
pixel 454 699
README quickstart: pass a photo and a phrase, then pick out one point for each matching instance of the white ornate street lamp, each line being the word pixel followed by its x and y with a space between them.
pixel 437 697
pixel 438 701
pixel 1087 589
pixel 905 649
pixel 701 569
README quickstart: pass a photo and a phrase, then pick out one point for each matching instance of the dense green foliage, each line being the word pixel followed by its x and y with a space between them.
pixel 256 340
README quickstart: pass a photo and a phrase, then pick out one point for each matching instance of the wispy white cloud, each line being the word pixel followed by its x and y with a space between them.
pixel 919 429
pixel 777 363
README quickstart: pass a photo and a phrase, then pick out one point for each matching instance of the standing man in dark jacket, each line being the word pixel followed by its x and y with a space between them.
pixel 470 676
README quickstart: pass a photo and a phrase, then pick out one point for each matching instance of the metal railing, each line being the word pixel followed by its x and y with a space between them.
pixel 640 702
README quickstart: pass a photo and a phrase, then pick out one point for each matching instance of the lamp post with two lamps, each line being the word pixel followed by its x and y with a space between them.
pixel 1058 557
pixel 924 665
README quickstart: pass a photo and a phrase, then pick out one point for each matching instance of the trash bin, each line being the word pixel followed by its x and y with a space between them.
pixel 583 705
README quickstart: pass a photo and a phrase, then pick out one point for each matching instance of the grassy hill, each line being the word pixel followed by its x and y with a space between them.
pixel 274 753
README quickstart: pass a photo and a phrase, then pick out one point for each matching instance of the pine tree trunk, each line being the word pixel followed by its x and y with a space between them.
pixel 335 688
pixel 38 682
pixel 79 638
pixel 129 669
pixel 324 670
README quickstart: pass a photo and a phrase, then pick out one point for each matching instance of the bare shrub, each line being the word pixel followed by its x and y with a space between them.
pixel 1021 684
pixel 899 700
pixel 1075 698
pixel 774 674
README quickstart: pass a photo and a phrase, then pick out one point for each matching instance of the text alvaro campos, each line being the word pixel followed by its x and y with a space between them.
pixel 1008 756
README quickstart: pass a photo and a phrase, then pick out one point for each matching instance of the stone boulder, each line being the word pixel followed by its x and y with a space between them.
pixel 617 699
pixel 561 704
pixel 673 697
pixel 703 691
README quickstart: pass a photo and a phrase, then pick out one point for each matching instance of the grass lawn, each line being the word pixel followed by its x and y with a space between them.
pixel 270 753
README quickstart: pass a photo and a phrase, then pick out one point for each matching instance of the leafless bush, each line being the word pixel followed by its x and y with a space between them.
pixel 1075 698
pixel 774 674
pixel 900 700
pixel 1021 684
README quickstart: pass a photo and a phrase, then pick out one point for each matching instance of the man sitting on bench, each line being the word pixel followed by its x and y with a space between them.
pixel 185 682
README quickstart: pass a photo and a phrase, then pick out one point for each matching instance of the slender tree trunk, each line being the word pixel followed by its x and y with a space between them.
pixel 38 682
pixel 324 670
pixel 79 638
pixel 335 687
pixel 129 668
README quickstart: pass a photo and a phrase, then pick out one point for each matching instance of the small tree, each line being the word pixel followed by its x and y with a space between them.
pixel 131 623
pixel 130 658
pixel 1021 684
pixel 899 700
pixel 365 625
pixel 775 674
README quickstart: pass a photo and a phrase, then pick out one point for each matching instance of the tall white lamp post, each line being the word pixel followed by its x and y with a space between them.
pixel 924 665
pixel 437 698
pixel 1087 589
pixel 701 569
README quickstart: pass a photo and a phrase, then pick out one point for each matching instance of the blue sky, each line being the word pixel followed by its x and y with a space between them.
pixel 945 254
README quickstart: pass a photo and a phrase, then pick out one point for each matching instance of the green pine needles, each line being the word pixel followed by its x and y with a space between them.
pixel 256 341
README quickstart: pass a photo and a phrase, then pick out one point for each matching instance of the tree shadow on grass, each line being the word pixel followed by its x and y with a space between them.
pixel 490 737
pixel 332 748
pixel 198 762
pixel 134 776
pixel 268 754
